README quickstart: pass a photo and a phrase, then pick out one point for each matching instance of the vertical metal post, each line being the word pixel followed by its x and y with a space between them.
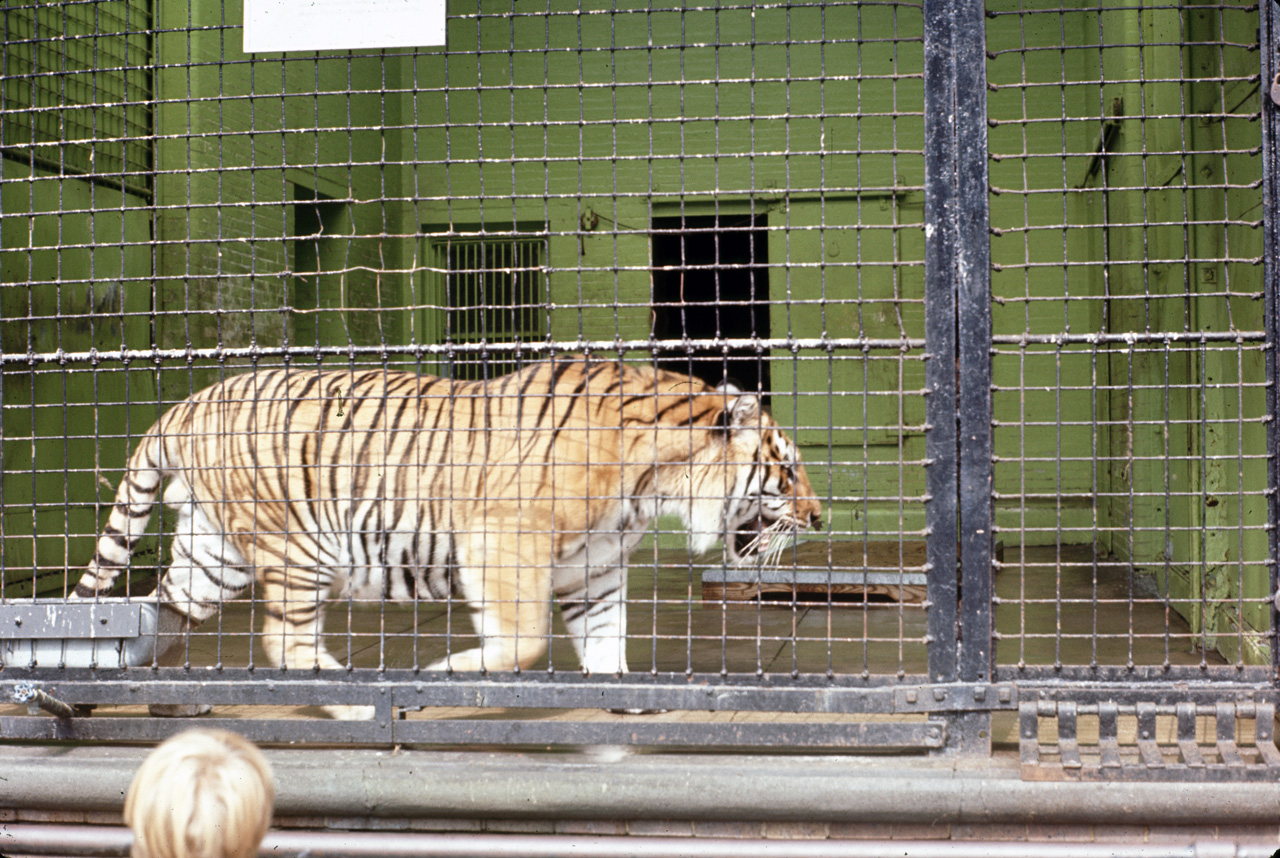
pixel 958 328
pixel 973 324
pixel 940 335
pixel 1269 34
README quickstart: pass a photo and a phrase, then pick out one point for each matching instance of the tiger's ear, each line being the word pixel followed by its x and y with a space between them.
pixel 741 409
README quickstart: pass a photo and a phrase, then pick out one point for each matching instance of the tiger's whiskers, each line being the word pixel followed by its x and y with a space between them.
pixel 776 538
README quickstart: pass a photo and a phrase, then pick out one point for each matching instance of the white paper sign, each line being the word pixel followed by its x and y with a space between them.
pixel 337 25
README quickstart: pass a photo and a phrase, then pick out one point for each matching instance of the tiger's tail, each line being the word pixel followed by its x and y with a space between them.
pixel 128 521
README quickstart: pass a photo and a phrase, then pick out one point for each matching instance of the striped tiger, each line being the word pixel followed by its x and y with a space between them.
pixel 509 493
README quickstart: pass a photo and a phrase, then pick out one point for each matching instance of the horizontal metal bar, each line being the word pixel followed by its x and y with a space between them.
pixel 274 731
pixel 701 692
pixel 1129 338
pixel 961 697
pixel 839 694
pixel 99 841
pixel 458 732
pixel 535 350
pixel 1107 679
pixel 847 736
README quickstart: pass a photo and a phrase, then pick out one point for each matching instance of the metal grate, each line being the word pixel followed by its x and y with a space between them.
pixel 1222 741
pixel 495 291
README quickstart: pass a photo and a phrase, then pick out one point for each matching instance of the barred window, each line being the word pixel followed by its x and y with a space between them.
pixel 492 290
pixel 77 90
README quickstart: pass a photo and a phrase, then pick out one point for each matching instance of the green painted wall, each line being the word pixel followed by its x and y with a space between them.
pixel 75 268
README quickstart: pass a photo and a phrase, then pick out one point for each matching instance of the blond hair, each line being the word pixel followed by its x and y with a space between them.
pixel 201 794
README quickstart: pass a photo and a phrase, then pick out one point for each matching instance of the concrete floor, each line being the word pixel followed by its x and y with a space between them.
pixel 1053 608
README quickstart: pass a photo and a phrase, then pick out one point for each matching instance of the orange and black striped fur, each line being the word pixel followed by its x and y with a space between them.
pixel 510 492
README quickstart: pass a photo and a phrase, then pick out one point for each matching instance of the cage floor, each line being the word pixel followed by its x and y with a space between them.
pixel 672 629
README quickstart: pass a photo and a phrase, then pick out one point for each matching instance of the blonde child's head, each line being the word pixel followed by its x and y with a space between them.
pixel 201 794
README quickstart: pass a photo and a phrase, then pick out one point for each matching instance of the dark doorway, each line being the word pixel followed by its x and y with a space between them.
pixel 710 279
pixel 322 230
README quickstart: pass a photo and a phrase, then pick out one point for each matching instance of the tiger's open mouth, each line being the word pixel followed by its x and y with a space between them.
pixel 747 533
pixel 762 538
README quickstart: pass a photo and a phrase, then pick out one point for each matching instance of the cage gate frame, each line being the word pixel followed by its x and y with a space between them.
pixel 963 686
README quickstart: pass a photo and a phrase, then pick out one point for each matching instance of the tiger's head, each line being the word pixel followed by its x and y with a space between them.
pixel 770 499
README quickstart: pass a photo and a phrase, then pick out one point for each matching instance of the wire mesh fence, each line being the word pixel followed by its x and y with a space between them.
pixel 1129 336
pixel 605 340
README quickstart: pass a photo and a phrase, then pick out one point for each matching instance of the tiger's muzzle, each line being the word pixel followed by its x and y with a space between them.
pixel 760 537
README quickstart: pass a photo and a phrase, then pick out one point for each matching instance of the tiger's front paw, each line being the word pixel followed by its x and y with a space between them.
pixel 179 710
pixel 639 711
pixel 349 713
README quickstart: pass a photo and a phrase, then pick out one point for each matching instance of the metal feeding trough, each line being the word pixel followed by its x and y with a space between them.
pixel 834 572
pixel 62 633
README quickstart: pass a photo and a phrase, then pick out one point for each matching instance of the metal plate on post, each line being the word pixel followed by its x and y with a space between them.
pixel 59 618
pixel 63 634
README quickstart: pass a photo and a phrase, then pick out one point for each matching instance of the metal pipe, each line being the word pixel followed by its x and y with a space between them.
pixel 26 692
pixel 95 841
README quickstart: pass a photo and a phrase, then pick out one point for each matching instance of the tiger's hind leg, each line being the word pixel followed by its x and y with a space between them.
pixel 206 570
pixel 293 629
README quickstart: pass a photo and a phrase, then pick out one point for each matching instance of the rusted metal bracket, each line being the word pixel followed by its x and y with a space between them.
pixel 1148 742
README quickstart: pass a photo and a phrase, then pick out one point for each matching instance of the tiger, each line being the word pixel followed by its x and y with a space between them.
pixel 510 493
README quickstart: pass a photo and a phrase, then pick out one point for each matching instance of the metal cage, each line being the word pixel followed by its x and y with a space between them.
pixel 1003 276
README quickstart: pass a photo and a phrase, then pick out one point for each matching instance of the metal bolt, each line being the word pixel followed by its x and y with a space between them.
pixel 911 696
pixel 980 693
pixel 939 694
pixel 17 621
